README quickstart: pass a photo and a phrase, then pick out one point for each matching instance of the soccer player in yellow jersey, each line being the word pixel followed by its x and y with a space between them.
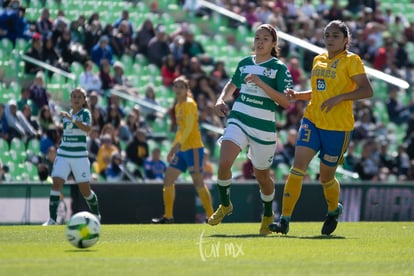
pixel 338 78
pixel 186 153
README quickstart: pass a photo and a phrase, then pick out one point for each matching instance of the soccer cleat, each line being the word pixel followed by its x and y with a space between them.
pixel 280 227
pixel 50 222
pixel 162 220
pixel 219 214
pixel 331 220
pixel 264 227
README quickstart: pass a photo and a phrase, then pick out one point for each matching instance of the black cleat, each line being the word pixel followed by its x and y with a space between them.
pixel 331 221
pixel 280 227
pixel 162 220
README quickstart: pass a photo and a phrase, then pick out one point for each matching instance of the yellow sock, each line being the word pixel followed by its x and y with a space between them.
pixel 168 193
pixel 331 191
pixel 292 190
pixel 205 198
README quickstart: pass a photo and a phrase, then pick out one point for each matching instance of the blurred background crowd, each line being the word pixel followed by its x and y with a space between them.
pixel 126 54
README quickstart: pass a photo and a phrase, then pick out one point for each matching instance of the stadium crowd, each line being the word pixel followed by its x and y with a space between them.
pixel 119 144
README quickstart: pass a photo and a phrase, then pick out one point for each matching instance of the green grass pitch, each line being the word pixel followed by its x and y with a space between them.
pixel 358 248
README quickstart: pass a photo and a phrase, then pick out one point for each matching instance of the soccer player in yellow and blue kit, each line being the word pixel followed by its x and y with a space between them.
pixel 338 78
pixel 186 153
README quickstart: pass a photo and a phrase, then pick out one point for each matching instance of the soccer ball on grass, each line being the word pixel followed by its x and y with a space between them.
pixel 83 229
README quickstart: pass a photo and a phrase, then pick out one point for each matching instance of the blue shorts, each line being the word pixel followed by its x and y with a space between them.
pixel 330 144
pixel 191 160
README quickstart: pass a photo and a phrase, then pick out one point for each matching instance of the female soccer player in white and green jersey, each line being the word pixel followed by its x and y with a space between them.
pixel 72 155
pixel 262 79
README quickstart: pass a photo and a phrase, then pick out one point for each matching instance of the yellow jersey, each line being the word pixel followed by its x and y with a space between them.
pixel 332 77
pixel 188 132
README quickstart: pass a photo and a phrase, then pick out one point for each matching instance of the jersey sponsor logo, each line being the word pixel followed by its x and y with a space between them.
pixel 335 64
pixel 330 158
pixel 246 99
pixel 320 85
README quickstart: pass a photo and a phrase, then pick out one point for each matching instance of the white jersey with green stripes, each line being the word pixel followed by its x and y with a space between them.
pixel 73 142
pixel 253 110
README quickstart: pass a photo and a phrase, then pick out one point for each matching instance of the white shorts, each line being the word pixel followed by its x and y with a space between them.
pixel 261 155
pixel 80 168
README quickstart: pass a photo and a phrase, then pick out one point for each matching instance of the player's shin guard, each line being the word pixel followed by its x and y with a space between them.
pixel 168 194
pixel 267 204
pixel 224 191
pixel 205 199
pixel 54 200
pixel 92 201
pixel 292 190
pixel 331 191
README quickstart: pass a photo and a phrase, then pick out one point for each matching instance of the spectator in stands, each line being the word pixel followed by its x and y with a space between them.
pixel 4 127
pixel 17 124
pixel 150 114
pixel 103 158
pixel 154 167
pixel 77 32
pixel 46 120
pixel 141 120
pixel 113 99
pixel 294 115
pixel 286 153
pixel 365 127
pixel 137 151
pixel 115 170
pixel 194 48
pixel 35 51
pixel 51 56
pixel 247 170
pixel 27 113
pixel 102 51
pixel 47 161
pixel 44 24
pixel 93 143
pixel 93 33
pixel 219 74
pixel 4 170
pixel 350 158
pixel 25 99
pixel 113 116
pixel 9 21
pixel 143 36
pixel 38 93
pixel 109 129
pixel 169 70
pixel 121 82
pixel 127 129
pixel 105 75
pixel 124 39
pixel 397 112
pixel 158 47
pixel 409 31
pixel 298 76
pixel 176 47
pixel 386 159
pixel 402 164
pixel 49 138
pixel 368 166
pixel 124 18
pixel 90 81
